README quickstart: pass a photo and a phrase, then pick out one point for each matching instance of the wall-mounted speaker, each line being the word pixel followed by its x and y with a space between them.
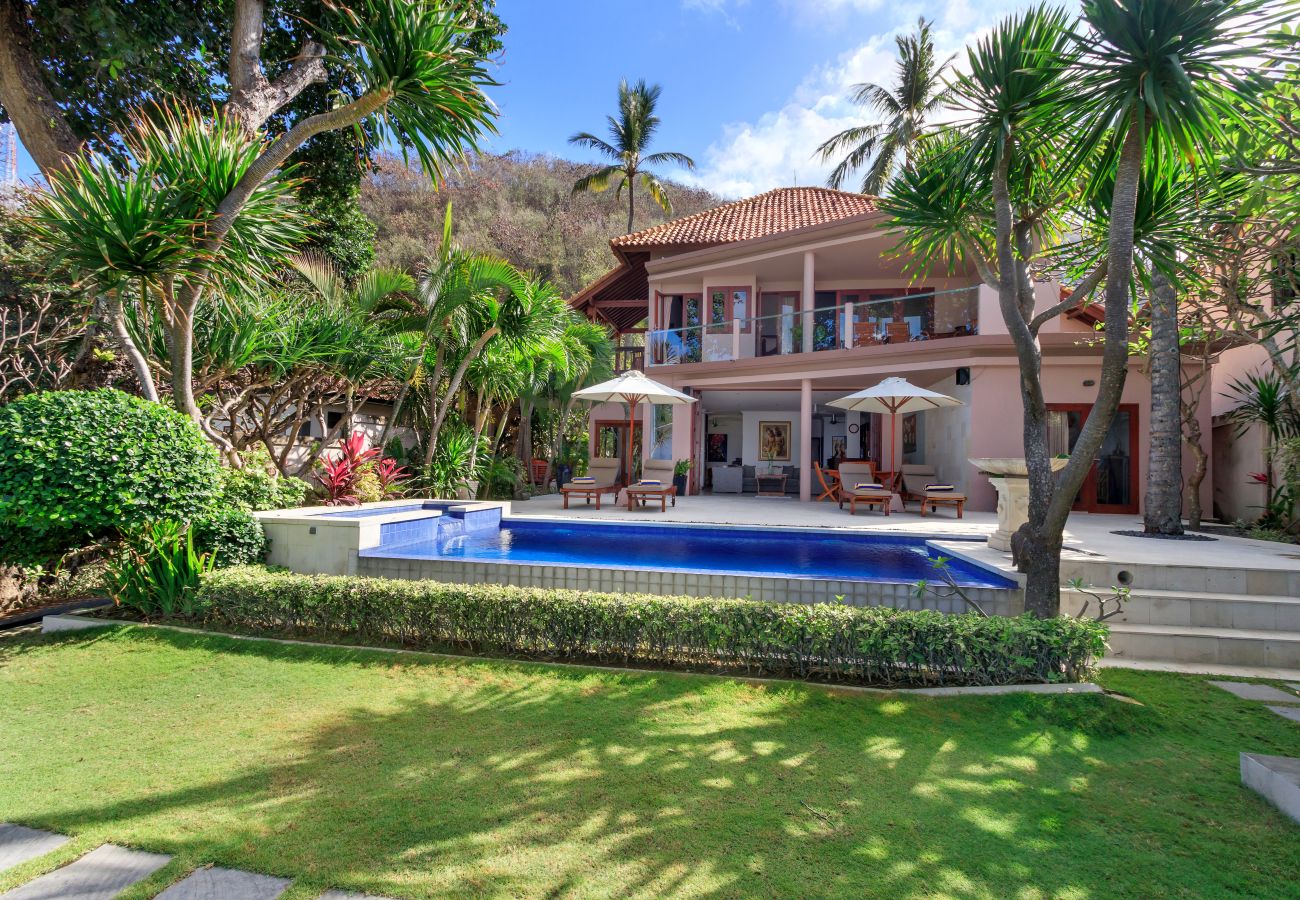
pixel 963 375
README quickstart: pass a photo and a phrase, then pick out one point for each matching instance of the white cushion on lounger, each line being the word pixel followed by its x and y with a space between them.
pixel 869 486
pixel 940 487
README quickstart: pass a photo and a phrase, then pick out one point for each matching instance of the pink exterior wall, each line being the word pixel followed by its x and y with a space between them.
pixel 997 418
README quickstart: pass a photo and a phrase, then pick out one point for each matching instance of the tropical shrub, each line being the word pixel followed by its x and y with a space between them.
pixel 232 536
pixel 358 474
pixel 502 476
pixel 259 486
pixel 870 645
pixel 452 466
pixel 157 572
pixel 76 466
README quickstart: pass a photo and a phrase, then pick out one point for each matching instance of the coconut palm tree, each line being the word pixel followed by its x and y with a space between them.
pixel 630 136
pixel 918 92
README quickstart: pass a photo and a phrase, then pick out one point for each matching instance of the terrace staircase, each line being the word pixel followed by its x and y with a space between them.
pixel 1215 627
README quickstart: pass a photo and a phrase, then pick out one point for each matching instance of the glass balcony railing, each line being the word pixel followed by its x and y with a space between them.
pixel 878 321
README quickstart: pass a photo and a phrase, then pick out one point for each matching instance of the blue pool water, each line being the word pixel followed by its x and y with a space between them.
pixel 736 551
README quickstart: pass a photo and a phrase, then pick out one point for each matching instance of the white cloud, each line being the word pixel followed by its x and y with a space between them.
pixel 779 147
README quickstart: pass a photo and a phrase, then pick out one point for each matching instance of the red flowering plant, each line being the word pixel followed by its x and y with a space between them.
pixel 357 473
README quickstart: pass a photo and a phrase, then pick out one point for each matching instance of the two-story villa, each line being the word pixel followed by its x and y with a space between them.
pixel 768 308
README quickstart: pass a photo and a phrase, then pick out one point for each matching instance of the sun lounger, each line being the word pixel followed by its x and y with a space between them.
pixel 937 495
pixel 867 493
pixel 656 483
pixel 601 478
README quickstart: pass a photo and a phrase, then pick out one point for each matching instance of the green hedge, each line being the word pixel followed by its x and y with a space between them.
pixel 871 645
pixel 80 465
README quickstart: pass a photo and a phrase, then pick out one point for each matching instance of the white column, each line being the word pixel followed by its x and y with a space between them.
pixel 846 334
pixel 735 339
pixel 806 300
pixel 805 440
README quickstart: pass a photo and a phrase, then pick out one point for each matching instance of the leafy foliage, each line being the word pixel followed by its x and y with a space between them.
pixel 630 134
pixel 357 474
pixel 257 487
pixel 80 465
pixel 872 645
pixel 231 536
pixel 919 94
pixel 158 571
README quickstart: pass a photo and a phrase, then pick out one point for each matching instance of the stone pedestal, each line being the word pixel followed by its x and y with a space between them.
pixel 1010 477
pixel 1013 508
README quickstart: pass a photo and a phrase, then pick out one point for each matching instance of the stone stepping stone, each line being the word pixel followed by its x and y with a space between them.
pixel 1294 687
pixel 19 844
pixel 348 895
pixel 101 874
pixel 1287 712
pixel 225 884
pixel 1262 692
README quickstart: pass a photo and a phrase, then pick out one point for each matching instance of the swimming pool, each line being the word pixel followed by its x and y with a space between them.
pixel 820 555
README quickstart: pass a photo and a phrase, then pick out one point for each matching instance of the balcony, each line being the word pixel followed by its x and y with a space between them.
pixel 627 358
pixel 920 316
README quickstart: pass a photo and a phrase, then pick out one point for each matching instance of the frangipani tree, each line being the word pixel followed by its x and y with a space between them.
pixel 1050 109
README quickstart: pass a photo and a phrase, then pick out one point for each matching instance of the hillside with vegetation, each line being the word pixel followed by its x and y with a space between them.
pixel 520 206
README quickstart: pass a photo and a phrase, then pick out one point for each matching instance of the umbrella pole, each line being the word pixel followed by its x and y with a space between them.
pixel 893 443
pixel 631 435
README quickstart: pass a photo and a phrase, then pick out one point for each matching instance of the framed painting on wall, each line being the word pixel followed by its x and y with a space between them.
pixel 717 448
pixel 774 441
pixel 909 433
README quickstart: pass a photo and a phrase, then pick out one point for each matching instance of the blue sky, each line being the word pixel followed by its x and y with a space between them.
pixel 750 87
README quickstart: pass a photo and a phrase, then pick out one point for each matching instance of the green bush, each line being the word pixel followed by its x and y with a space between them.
pixel 157 571
pixel 255 487
pixel 80 465
pixel 867 645
pixel 232 536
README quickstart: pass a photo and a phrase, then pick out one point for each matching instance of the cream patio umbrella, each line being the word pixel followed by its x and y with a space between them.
pixel 632 388
pixel 893 396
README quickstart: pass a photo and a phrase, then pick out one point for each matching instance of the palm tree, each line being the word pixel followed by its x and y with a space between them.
pixel 918 93
pixel 631 134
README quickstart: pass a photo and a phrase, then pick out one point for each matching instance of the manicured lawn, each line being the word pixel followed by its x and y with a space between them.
pixel 421 777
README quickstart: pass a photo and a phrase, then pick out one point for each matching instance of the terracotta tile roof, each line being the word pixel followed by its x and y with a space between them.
pixel 783 209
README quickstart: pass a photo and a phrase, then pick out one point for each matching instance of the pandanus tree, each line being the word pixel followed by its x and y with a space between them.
pixel 411 74
pixel 1051 110
pixel 904 112
pixel 630 134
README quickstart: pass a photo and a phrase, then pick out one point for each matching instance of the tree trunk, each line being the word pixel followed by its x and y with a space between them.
pixel 181 349
pixel 1164 495
pixel 26 96
pixel 1050 499
pixel 117 320
pixel 631 204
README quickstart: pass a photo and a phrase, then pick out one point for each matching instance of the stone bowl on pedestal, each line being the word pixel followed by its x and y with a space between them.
pixel 1010 478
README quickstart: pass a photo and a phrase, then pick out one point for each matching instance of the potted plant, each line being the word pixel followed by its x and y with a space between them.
pixel 680 470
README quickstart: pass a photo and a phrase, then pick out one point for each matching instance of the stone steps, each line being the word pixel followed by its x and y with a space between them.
pixel 1279 582
pixel 1205 645
pixel 1200 609
pixel 108 870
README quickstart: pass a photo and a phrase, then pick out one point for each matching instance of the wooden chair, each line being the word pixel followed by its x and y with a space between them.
pixel 898 332
pixel 830 483
pixel 537 472
pixel 865 334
